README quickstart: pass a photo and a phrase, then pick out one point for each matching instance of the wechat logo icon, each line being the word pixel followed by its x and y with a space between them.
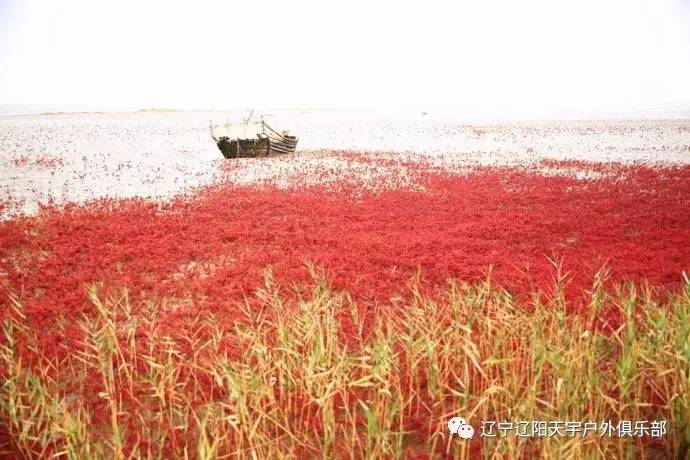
pixel 459 426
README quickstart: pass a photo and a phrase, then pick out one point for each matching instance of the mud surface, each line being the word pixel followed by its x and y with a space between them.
pixel 78 157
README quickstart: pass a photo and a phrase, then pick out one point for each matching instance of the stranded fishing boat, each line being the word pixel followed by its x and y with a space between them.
pixel 251 138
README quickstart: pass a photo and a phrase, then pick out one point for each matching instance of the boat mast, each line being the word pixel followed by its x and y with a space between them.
pixel 249 117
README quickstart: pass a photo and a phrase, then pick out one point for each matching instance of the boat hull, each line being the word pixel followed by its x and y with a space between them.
pixel 252 148
pixel 284 144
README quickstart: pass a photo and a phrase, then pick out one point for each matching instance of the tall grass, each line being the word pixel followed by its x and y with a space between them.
pixel 280 380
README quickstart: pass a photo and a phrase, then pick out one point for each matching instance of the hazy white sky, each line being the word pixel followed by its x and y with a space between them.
pixel 511 54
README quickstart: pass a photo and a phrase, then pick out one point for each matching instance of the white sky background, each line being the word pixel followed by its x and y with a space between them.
pixel 490 55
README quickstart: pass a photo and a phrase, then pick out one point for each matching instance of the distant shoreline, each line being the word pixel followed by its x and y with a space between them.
pixel 601 115
pixel 23 110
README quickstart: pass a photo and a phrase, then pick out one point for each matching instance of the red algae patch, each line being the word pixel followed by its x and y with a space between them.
pixel 211 249
pixel 40 161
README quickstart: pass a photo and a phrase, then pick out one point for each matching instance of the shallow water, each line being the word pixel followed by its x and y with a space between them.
pixel 76 157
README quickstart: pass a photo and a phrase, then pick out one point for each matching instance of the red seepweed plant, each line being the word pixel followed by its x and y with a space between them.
pixel 177 364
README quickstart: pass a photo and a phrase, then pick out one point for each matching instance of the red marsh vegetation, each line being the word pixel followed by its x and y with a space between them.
pixel 75 279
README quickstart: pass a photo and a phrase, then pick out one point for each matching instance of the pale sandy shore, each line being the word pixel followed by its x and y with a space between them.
pixel 76 157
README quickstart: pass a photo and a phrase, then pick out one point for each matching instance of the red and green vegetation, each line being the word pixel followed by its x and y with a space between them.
pixel 333 319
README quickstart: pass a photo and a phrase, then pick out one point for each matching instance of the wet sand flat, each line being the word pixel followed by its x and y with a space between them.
pixel 76 157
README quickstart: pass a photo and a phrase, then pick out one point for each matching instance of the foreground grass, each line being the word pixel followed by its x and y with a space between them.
pixel 281 380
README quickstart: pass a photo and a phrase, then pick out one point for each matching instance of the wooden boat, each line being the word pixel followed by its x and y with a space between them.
pixel 251 138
